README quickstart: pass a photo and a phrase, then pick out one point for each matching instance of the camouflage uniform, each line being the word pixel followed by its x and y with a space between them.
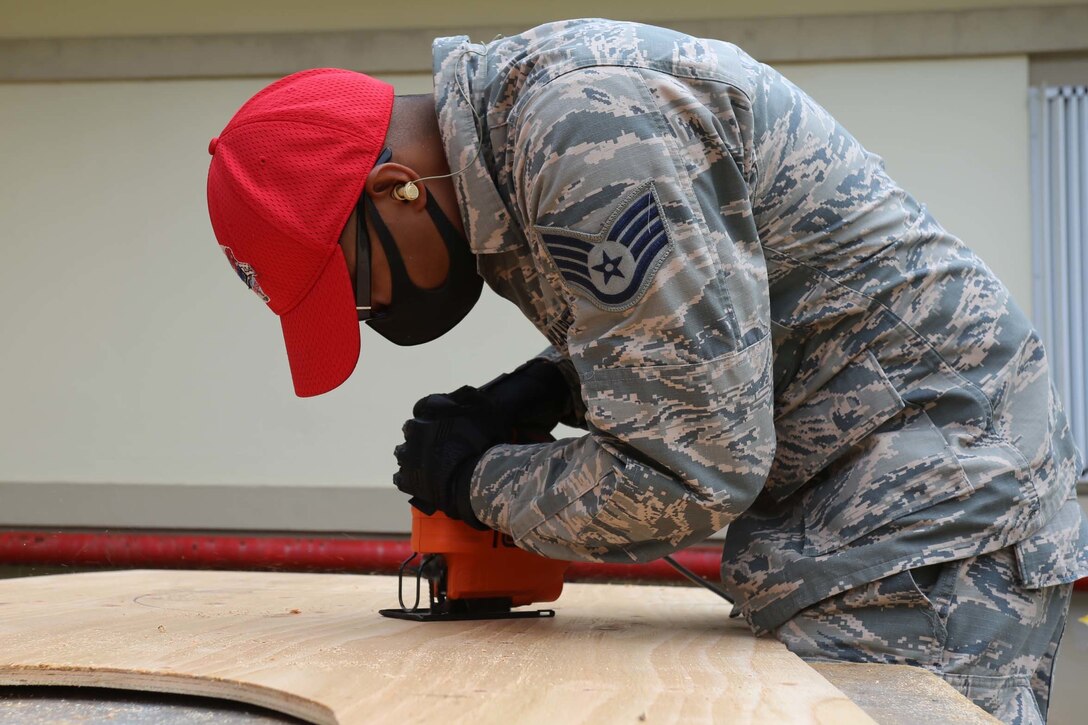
pixel 764 329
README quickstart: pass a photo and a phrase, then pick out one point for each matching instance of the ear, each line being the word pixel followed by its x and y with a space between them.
pixel 382 181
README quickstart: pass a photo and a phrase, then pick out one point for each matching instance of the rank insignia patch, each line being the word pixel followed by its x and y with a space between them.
pixel 616 266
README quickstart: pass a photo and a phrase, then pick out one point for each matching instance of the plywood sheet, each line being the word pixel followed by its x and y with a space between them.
pixel 314 646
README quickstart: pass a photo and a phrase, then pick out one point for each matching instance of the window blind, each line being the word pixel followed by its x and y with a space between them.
pixel 1059 190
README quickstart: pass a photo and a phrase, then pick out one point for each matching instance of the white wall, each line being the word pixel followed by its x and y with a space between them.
pixel 131 353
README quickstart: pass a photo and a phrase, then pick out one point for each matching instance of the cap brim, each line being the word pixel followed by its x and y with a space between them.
pixel 322 331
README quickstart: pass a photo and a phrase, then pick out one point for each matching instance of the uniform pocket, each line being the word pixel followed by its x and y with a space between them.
pixel 848 407
pixel 1058 552
pixel 903 466
pixel 591 490
pixel 705 423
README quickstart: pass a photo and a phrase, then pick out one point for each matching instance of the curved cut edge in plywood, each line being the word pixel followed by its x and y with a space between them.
pixel 174 684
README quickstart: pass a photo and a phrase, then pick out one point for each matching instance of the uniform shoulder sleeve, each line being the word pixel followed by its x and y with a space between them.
pixel 638 216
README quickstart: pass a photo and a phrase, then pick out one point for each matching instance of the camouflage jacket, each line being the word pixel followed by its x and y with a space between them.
pixel 765 330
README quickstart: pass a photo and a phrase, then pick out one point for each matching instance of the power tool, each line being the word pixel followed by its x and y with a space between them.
pixel 473 574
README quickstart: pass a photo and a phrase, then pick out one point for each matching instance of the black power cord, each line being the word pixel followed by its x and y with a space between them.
pixel 688 573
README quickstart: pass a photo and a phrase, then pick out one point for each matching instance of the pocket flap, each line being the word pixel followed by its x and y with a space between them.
pixel 848 407
pixel 1058 552
pixel 551 501
pixel 902 467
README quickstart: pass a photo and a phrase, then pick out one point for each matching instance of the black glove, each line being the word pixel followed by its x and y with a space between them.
pixel 532 399
pixel 441 448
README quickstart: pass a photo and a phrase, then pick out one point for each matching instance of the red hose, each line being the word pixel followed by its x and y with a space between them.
pixel 288 553
pixel 282 553
pixel 199 551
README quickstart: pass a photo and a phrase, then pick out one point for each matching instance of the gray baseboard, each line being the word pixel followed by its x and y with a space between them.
pixel 318 509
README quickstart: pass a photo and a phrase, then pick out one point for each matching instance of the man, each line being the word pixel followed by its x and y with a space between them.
pixel 753 323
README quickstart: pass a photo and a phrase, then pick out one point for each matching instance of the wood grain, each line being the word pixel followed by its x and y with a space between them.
pixel 314 646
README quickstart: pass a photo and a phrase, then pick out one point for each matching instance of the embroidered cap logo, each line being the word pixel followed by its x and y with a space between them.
pixel 246 273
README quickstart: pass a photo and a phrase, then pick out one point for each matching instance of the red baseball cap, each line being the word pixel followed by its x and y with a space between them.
pixel 285 175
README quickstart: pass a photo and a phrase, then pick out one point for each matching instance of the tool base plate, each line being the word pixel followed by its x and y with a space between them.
pixel 426 615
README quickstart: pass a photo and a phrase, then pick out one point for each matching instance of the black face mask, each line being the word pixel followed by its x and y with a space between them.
pixel 419 315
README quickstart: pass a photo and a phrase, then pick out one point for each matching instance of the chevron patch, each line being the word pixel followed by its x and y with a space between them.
pixel 615 267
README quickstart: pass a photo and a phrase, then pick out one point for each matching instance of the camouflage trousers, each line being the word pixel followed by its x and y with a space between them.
pixel 968 621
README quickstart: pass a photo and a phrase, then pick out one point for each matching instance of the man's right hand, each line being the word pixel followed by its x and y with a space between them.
pixel 533 399
pixel 442 444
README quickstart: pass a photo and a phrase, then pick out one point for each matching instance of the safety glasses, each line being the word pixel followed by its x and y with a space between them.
pixel 363 307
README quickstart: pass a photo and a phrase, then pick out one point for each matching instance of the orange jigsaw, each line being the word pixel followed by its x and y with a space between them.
pixel 474 574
